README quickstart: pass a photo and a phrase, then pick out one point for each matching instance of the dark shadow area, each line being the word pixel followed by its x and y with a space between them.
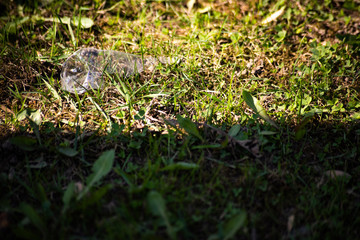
pixel 38 174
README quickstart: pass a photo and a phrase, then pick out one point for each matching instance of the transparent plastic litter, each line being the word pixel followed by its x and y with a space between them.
pixel 85 69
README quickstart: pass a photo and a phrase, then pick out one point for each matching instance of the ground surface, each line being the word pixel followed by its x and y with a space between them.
pixel 254 134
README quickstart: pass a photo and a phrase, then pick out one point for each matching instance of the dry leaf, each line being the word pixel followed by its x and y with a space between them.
pixel 4 222
pixel 190 4
pixel 79 187
pixel 273 16
pixel 333 174
pixel 5 109
pixel 205 9
pixel 290 223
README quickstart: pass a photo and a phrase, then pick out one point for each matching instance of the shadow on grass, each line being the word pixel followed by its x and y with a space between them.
pixel 286 192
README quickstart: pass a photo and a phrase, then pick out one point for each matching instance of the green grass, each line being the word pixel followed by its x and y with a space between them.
pixel 255 134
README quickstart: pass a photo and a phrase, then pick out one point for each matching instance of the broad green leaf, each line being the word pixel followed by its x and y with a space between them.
pixel 356 116
pixel 22 115
pixel 156 204
pixel 300 133
pixel 300 130
pixel 24 143
pixel 34 217
pixel 67 151
pixel 180 166
pixel 101 168
pixel 11 27
pixel 189 126
pixel 33 115
pixel 255 105
pixel 234 225
pixel 84 22
pixel 41 193
pixel 280 36
pixel 234 130
pixel 68 194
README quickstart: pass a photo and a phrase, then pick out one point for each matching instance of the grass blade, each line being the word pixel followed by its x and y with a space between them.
pixel 53 92
pixel 180 166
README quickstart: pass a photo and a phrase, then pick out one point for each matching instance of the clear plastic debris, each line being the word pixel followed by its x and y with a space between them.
pixel 84 69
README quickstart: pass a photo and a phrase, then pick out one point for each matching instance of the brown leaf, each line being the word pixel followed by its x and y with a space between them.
pixel 290 223
pixel 273 16
pixel 333 174
pixel 4 223
pixel 190 4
